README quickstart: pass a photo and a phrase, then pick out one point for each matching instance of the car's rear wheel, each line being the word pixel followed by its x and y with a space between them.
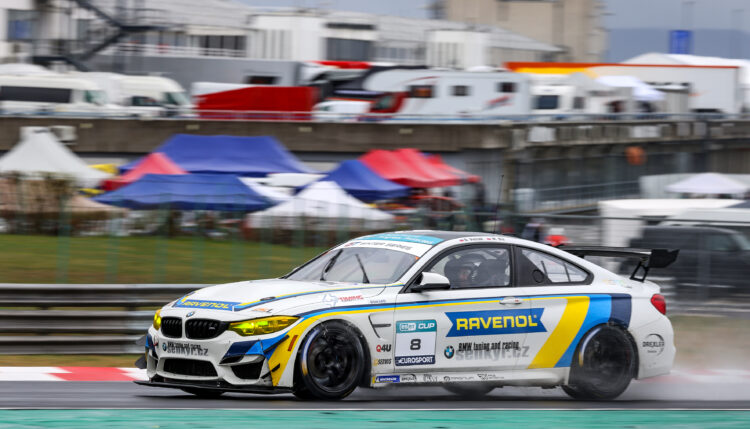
pixel 603 365
pixel 204 393
pixel 469 390
pixel 331 362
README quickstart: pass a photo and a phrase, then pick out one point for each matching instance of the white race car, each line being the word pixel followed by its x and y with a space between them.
pixel 466 311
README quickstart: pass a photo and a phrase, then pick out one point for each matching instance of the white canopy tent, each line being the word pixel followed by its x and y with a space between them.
pixel 39 152
pixel 322 206
pixel 709 184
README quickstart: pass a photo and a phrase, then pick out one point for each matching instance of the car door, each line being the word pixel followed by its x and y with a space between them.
pixel 557 292
pixel 477 325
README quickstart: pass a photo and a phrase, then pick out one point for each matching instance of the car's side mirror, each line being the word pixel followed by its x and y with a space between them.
pixel 431 281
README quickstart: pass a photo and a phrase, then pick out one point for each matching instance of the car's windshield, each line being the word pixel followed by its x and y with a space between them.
pixel 356 264
pixel 742 242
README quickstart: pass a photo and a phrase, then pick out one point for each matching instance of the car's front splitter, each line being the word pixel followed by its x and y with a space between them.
pixel 222 386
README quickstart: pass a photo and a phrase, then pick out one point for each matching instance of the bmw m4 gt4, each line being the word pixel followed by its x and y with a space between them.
pixel 466 311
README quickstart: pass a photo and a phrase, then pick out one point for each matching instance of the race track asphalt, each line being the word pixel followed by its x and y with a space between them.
pixel 727 395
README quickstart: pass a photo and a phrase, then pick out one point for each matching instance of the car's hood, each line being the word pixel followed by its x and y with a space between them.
pixel 275 295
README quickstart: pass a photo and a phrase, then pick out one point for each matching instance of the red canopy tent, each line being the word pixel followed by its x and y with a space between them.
pixel 418 162
pixel 437 162
pixel 390 166
pixel 154 163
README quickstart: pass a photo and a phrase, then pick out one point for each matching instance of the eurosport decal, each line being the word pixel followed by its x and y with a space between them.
pixel 495 322
pixel 415 342
pixel 211 305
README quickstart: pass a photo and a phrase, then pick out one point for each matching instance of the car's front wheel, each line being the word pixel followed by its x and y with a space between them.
pixel 603 366
pixel 331 362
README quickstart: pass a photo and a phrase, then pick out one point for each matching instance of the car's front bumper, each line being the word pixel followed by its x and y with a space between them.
pixel 220 362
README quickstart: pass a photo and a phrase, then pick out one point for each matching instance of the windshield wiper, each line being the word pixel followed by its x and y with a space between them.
pixel 362 267
pixel 329 265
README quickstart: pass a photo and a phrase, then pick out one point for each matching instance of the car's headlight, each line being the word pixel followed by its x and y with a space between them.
pixel 265 325
pixel 157 319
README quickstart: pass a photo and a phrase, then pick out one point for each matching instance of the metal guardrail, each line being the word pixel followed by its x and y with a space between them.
pixel 48 319
pixel 34 324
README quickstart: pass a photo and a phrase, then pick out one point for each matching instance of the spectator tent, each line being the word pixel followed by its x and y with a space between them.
pixel 360 181
pixel 39 152
pixel 155 163
pixel 240 156
pixel 437 162
pixel 221 192
pixel 322 206
pixel 406 170
pixel 708 184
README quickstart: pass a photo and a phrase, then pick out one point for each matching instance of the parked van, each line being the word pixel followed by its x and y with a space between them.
pixel 715 260
pixel 50 93
pixel 142 95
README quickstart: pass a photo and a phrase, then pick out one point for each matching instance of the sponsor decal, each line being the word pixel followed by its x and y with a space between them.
pixel 429 378
pixel 377 362
pixel 184 349
pixel 487 377
pixel 329 300
pixel 407 238
pixel 653 344
pixel 415 342
pixel 383 348
pixel 452 378
pixel 408 378
pixel 211 305
pixel 263 309
pixel 410 248
pixel 388 379
pixel 191 314
pixel 377 301
pixel 496 351
pixel 449 352
pixel 350 298
pixel 495 322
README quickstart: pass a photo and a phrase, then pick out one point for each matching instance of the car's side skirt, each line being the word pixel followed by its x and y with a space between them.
pixel 543 377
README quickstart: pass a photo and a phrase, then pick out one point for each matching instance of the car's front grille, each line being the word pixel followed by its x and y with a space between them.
pixel 248 371
pixel 171 327
pixel 200 368
pixel 203 329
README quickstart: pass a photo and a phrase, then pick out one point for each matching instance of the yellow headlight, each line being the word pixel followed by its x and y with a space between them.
pixel 157 319
pixel 266 325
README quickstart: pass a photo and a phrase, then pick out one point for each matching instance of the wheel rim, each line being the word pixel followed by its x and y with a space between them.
pixel 607 360
pixel 332 360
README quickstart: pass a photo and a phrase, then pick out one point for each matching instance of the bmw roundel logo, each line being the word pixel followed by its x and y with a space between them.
pixel 190 314
pixel 448 352
pixel 164 346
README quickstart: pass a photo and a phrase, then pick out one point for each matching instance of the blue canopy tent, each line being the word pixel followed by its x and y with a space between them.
pixel 361 182
pixel 242 156
pixel 187 192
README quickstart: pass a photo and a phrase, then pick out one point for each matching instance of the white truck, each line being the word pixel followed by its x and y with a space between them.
pixel 450 93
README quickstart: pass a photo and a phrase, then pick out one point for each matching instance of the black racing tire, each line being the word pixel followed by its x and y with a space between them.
pixel 603 365
pixel 330 363
pixel 204 393
pixel 474 390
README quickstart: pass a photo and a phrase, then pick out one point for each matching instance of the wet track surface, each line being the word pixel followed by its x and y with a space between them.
pixel 656 394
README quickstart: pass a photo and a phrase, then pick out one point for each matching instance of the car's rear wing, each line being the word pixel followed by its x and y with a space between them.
pixel 647 258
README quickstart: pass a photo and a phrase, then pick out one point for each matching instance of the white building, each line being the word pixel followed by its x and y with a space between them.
pixel 228 29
